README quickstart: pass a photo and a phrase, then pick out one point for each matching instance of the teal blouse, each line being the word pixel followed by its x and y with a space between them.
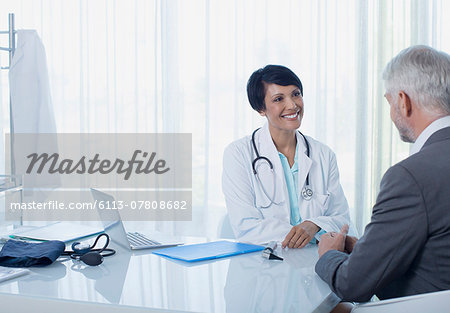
pixel 291 176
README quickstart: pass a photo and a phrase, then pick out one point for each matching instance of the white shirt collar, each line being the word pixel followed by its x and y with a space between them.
pixel 438 124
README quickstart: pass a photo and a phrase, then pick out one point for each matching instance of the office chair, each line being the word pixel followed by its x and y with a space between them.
pixel 427 302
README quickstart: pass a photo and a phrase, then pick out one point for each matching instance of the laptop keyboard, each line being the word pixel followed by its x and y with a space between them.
pixel 137 239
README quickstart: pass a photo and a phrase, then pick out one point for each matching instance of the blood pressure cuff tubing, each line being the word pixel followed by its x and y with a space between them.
pixel 24 254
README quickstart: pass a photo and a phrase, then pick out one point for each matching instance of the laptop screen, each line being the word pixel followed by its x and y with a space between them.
pixel 112 223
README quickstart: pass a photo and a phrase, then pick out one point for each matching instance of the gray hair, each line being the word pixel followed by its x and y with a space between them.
pixel 423 73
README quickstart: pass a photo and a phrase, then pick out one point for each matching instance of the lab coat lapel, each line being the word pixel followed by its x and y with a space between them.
pixel 304 163
pixel 267 149
pixel 18 55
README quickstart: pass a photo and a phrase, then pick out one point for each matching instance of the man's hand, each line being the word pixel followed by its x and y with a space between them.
pixel 333 241
pixel 350 243
pixel 300 235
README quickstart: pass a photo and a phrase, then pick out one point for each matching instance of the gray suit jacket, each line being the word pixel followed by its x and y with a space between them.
pixel 405 249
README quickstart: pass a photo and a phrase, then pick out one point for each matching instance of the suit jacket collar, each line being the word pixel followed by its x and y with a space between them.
pixel 440 135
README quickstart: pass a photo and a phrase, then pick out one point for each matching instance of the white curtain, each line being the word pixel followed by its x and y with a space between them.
pixel 182 66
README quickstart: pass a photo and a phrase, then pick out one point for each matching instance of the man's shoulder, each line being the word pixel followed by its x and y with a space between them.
pixel 434 154
pixel 430 164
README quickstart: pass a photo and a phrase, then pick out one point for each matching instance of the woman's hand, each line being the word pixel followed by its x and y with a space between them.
pixel 300 235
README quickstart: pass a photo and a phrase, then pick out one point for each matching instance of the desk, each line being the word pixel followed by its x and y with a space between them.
pixel 245 283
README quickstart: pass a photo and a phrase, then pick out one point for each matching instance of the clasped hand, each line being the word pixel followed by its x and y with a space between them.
pixel 337 241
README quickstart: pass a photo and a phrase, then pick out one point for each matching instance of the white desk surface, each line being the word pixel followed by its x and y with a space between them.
pixel 245 283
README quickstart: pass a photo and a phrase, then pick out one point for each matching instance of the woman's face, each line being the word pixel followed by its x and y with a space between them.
pixel 284 106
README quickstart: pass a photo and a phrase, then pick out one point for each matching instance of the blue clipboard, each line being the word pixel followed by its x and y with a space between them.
pixel 208 251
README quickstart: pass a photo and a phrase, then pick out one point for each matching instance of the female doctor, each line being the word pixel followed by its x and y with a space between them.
pixel 280 185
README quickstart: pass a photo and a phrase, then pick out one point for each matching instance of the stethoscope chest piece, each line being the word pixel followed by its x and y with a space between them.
pixel 307 193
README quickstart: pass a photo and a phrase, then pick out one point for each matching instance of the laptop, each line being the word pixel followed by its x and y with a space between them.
pixel 113 226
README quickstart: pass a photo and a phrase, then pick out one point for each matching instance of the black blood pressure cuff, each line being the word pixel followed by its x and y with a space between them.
pixel 24 254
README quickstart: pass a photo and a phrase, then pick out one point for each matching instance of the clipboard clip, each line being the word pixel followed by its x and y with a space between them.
pixel 269 252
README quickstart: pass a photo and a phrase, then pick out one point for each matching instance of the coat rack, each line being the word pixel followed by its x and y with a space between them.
pixel 11 49
pixel 12 39
pixel 11 182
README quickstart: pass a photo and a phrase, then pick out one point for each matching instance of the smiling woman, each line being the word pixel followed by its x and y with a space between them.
pixel 280 185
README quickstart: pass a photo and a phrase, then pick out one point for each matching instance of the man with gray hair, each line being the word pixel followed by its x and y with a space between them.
pixel 405 249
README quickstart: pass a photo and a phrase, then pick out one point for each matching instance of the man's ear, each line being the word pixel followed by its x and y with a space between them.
pixel 404 103
pixel 262 113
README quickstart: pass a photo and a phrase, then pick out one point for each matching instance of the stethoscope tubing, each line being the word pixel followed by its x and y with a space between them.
pixel 307 191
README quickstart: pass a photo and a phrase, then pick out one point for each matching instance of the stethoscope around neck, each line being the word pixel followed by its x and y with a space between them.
pixel 307 191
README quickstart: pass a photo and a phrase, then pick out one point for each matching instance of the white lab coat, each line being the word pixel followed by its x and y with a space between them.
pixel 29 84
pixel 244 197
pixel 31 102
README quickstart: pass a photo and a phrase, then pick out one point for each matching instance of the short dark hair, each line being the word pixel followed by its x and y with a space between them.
pixel 270 74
